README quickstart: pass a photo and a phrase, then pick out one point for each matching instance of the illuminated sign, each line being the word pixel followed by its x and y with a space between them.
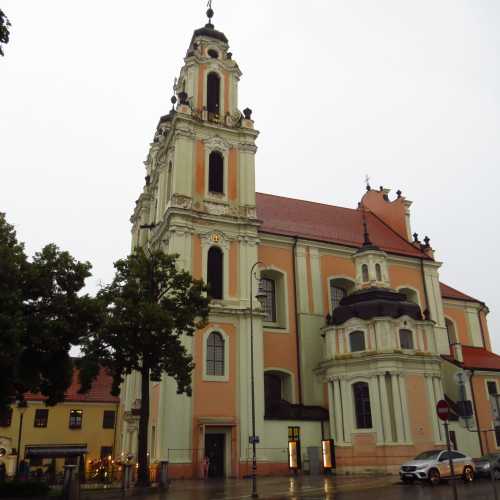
pixel 294 461
pixel 328 453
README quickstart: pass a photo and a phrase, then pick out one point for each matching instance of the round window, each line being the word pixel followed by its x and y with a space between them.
pixel 213 54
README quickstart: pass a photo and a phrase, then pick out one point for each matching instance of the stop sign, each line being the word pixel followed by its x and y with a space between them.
pixel 443 410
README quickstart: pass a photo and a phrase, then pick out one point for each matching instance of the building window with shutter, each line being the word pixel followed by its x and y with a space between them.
pixel 75 419
pixel 215 355
pixel 362 405
pixel 108 419
pixel 215 281
pixel 41 417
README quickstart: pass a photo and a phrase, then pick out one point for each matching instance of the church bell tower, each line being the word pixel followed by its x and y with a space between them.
pixel 199 202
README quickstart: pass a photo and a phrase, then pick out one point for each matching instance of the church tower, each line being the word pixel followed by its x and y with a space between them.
pixel 199 202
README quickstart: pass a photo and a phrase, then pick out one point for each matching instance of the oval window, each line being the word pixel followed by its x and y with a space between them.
pixel 213 54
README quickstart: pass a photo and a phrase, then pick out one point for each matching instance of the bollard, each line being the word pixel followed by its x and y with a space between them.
pixel 164 474
pixel 71 483
pixel 126 477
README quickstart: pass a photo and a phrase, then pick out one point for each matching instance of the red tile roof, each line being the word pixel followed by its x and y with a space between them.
pixel 328 223
pixel 447 292
pixel 100 392
pixel 480 358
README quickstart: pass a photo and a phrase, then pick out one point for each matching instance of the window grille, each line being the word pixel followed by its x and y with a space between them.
pixel 215 354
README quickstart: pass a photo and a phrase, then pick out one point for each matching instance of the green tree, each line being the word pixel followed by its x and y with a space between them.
pixel 150 307
pixel 41 316
pixel 4 30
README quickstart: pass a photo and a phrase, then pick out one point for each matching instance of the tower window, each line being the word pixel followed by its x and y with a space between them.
pixel 362 405
pixel 213 54
pixel 213 94
pixel 215 272
pixel 406 339
pixel 269 288
pixel 215 354
pixel 216 172
pixel 364 272
pixel 378 271
pixel 357 341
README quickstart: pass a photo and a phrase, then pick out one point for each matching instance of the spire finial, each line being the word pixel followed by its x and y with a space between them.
pixel 367 182
pixel 210 12
pixel 366 236
pixel 173 100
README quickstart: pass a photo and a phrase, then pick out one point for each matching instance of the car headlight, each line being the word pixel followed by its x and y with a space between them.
pixel 421 467
pixel 486 466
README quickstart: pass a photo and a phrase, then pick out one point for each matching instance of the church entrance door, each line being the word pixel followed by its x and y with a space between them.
pixel 214 450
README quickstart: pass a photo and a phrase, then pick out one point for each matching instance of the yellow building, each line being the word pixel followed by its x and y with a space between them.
pixel 84 426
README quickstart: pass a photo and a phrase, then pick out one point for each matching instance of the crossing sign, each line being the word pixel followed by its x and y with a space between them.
pixel 443 410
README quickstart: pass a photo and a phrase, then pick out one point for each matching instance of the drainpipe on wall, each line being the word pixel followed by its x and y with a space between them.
pixel 475 412
pixel 297 317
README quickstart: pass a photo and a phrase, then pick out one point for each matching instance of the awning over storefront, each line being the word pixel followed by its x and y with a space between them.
pixel 55 450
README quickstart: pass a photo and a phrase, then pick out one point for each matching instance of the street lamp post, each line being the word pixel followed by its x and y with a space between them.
pixel 22 407
pixel 259 296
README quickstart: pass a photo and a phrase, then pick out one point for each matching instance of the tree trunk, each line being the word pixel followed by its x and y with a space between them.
pixel 143 472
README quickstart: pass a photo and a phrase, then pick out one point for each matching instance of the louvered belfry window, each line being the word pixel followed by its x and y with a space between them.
pixel 215 354
pixel 216 172
pixel 215 273
pixel 213 93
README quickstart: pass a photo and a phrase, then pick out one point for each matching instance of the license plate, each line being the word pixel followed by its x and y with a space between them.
pixel 408 475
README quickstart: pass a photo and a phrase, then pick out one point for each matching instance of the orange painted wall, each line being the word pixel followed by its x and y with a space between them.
pixel 280 349
pixel 461 325
pixel 234 252
pixel 214 399
pixel 232 181
pixel 419 411
pixel 197 271
pixel 402 275
pixel 201 85
pixel 200 168
pixel 484 411
pixel 392 213
pixel 334 265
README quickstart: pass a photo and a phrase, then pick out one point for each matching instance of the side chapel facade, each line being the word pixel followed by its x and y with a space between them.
pixel 357 338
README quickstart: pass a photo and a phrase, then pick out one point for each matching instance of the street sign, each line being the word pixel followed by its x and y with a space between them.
pixel 253 439
pixel 443 410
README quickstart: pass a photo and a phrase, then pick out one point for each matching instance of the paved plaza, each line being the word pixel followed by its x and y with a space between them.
pixel 312 488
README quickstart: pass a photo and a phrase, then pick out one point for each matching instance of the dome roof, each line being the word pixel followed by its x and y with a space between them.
pixel 209 31
pixel 374 302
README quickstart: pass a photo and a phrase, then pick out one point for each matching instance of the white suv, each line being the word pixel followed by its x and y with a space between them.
pixel 434 465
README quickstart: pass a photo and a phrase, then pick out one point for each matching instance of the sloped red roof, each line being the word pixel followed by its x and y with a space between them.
pixel 100 392
pixel 328 223
pixel 480 358
pixel 447 292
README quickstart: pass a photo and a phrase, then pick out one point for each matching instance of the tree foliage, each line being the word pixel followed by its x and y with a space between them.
pixel 41 316
pixel 4 30
pixel 149 308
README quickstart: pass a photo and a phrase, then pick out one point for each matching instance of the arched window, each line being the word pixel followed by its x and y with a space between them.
pixel 213 94
pixel 378 272
pixel 337 293
pixel 450 329
pixel 364 272
pixel 357 341
pixel 268 286
pixel 215 354
pixel 216 172
pixel 215 272
pixel 406 339
pixel 362 405
pixel 277 392
pixel 411 295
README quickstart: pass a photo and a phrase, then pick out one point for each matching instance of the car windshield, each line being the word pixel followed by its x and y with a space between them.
pixel 428 455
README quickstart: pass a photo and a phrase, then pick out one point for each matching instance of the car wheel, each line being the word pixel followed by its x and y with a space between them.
pixel 468 474
pixel 496 474
pixel 408 480
pixel 434 477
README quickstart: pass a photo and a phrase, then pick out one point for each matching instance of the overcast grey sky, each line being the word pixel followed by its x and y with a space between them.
pixel 405 91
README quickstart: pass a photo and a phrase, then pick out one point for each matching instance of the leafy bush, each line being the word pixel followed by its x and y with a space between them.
pixel 19 489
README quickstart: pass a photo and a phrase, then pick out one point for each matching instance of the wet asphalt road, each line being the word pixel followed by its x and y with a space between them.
pixel 316 488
